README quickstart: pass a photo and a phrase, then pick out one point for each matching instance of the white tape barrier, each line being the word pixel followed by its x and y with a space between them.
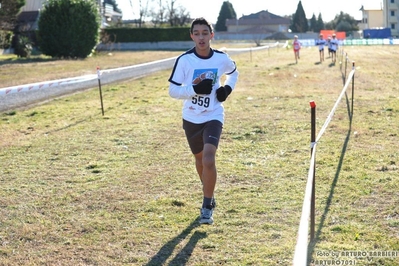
pixel 23 95
pixel 330 116
pixel 353 42
pixel 285 44
pixel 258 48
pixel 45 85
pixel 301 248
pixel 61 82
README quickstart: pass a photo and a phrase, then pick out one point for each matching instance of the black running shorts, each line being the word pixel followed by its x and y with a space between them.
pixel 199 134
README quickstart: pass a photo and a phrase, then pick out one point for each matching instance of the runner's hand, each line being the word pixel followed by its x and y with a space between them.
pixel 204 87
pixel 223 92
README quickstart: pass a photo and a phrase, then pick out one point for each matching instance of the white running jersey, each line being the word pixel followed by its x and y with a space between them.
pixel 190 69
pixel 334 44
pixel 321 43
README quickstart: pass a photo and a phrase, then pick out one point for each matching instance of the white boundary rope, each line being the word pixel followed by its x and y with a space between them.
pixel 301 248
pixel 45 84
pixel 330 116
pixel 252 48
pixel 81 79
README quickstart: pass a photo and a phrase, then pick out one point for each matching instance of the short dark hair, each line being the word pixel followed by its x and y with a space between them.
pixel 201 21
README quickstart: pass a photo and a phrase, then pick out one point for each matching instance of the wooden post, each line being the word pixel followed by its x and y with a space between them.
pixel 312 141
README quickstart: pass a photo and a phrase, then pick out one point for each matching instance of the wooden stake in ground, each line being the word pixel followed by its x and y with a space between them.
pixel 99 88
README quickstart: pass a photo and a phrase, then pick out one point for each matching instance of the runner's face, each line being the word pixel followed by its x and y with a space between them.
pixel 202 36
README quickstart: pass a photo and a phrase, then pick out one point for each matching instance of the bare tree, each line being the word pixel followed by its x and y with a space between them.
pixel 172 13
pixel 184 15
pixel 143 11
pixel 168 12
pixel 177 16
pixel 131 5
pixel 159 14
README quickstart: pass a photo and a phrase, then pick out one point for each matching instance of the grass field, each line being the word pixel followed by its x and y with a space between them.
pixel 79 188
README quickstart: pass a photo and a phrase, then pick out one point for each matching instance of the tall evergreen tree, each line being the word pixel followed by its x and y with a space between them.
pixel 226 12
pixel 313 23
pixel 299 20
pixel 319 24
pixel 8 13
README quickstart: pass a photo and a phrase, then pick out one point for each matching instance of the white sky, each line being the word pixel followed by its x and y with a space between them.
pixel 210 8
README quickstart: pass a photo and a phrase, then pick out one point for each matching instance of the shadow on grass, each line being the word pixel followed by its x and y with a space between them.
pixel 343 75
pixel 68 126
pixel 312 244
pixel 184 255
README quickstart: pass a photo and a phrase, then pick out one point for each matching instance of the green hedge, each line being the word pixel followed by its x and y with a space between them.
pixel 145 34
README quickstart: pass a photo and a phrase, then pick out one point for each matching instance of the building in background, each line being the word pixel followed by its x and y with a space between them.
pixel 109 16
pixel 261 22
pixel 33 5
pixel 372 16
pixel 381 17
pixel 391 16
pixel 29 16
